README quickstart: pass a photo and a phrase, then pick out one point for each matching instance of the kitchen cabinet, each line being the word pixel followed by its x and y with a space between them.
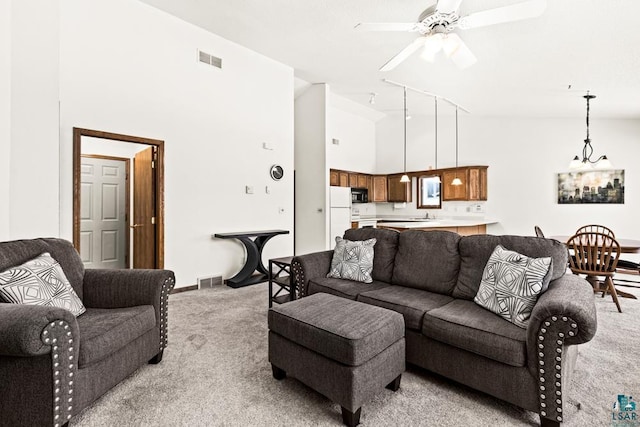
pixel 398 191
pixel 466 230
pixel 362 181
pixel 474 183
pixel 334 179
pixel 343 179
pixel 353 180
pixel 378 190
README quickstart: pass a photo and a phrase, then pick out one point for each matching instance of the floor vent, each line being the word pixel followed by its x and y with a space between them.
pixel 209 282
pixel 209 59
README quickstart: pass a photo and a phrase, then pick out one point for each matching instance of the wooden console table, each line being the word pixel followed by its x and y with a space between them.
pixel 253 242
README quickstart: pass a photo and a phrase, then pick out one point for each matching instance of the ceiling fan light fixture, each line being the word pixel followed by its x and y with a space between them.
pixel 450 44
pixel 432 45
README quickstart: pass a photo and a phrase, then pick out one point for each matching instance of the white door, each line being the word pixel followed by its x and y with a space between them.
pixel 103 212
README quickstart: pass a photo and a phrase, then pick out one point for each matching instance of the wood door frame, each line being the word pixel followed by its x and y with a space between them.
pixel 127 204
pixel 78 133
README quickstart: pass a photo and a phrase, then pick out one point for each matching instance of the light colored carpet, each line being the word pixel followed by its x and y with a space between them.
pixel 215 373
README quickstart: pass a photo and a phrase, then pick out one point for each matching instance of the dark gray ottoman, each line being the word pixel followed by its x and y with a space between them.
pixel 344 349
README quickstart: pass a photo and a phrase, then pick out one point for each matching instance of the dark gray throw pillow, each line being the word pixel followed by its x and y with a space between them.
pixel 511 283
pixel 352 260
pixel 40 281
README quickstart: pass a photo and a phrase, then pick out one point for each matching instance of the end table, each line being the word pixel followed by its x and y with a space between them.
pixel 280 275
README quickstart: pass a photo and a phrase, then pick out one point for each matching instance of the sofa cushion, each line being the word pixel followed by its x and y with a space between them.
pixel 104 331
pixel 352 260
pixel 346 331
pixel 427 260
pixel 39 281
pixel 410 302
pixel 468 326
pixel 342 288
pixel 384 250
pixel 511 283
pixel 476 250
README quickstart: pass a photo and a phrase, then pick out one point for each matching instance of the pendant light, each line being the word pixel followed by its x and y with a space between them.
pixel 435 127
pixel 587 150
pixel 456 180
pixel 405 178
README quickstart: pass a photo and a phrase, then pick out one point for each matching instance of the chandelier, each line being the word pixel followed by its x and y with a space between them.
pixel 587 151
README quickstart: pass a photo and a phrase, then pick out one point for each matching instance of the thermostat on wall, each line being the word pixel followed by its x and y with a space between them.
pixel 276 172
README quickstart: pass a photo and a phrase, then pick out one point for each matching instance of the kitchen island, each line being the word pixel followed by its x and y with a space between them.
pixel 464 227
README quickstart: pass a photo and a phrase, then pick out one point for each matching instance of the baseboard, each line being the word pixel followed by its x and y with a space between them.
pixel 185 289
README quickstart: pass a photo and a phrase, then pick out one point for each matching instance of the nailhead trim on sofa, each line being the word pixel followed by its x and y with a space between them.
pixel 551 337
pixel 298 279
pixel 164 311
pixel 57 334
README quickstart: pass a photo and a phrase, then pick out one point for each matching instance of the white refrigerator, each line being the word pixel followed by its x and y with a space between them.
pixel 340 213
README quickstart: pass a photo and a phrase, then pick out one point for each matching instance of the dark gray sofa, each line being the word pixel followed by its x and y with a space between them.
pixel 431 278
pixel 52 364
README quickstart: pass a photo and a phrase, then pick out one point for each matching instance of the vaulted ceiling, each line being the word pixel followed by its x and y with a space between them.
pixel 524 68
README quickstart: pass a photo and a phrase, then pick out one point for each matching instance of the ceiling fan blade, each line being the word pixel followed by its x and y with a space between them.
pixel 447 6
pixel 457 51
pixel 515 12
pixel 391 26
pixel 404 54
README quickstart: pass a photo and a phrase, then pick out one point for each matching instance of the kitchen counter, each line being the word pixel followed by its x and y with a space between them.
pixel 435 223
pixel 464 227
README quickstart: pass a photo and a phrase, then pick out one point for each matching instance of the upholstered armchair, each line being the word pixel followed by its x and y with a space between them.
pixel 54 364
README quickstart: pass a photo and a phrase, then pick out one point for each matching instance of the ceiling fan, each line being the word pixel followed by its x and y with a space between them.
pixel 436 25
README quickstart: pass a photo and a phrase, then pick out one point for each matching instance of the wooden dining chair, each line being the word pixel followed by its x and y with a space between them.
pixel 538 231
pixel 596 255
pixel 595 228
pixel 624 266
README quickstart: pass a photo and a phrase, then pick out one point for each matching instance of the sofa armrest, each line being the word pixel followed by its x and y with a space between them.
pixel 22 327
pixel 305 267
pixel 565 315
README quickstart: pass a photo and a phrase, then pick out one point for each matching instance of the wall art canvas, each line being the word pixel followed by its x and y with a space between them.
pixel 591 186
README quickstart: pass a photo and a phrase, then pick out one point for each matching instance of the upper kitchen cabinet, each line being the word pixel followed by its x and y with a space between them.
pixel 474 183
pixel 334 178
pixel 398 191
pixel 378 189
pixel 343 179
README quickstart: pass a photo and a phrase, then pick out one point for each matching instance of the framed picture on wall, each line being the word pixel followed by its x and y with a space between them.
pixel 591 186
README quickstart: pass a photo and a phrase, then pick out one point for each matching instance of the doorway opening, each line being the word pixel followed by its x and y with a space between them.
pixel 118 200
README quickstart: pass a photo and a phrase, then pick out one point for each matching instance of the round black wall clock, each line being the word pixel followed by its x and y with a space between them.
pixel 276 172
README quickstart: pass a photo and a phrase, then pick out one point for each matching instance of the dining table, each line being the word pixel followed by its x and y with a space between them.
pixel 627 246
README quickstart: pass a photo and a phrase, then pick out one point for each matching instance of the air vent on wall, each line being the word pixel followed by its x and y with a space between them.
pixel 209 282
pixel 209 59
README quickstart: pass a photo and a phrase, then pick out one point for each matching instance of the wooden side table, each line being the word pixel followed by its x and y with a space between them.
pixel 280 275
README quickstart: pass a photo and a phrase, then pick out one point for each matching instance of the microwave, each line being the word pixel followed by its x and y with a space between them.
pixel 359 195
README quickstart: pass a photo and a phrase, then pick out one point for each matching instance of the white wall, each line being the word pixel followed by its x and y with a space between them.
pixel 524 156
pixel 357 140
pixel 34 132
pixel 312 120
pixel 5 116
pixel 128 68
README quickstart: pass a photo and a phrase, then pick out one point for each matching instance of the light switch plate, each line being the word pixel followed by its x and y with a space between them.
pixel 248 189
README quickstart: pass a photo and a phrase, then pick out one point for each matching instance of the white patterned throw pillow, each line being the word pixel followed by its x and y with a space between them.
pixel 40 281
pixel 511 283
pixel 352 260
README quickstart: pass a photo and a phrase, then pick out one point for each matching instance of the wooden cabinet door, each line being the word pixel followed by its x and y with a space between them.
pixel 398 191
pixel 343 179
pixel 477 183
pixel 333 177
pixel 379 184
pixel 454 192
pixel 353 180
pixel 362 181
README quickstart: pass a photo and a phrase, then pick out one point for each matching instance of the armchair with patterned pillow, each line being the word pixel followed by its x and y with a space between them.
pixel 67 335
